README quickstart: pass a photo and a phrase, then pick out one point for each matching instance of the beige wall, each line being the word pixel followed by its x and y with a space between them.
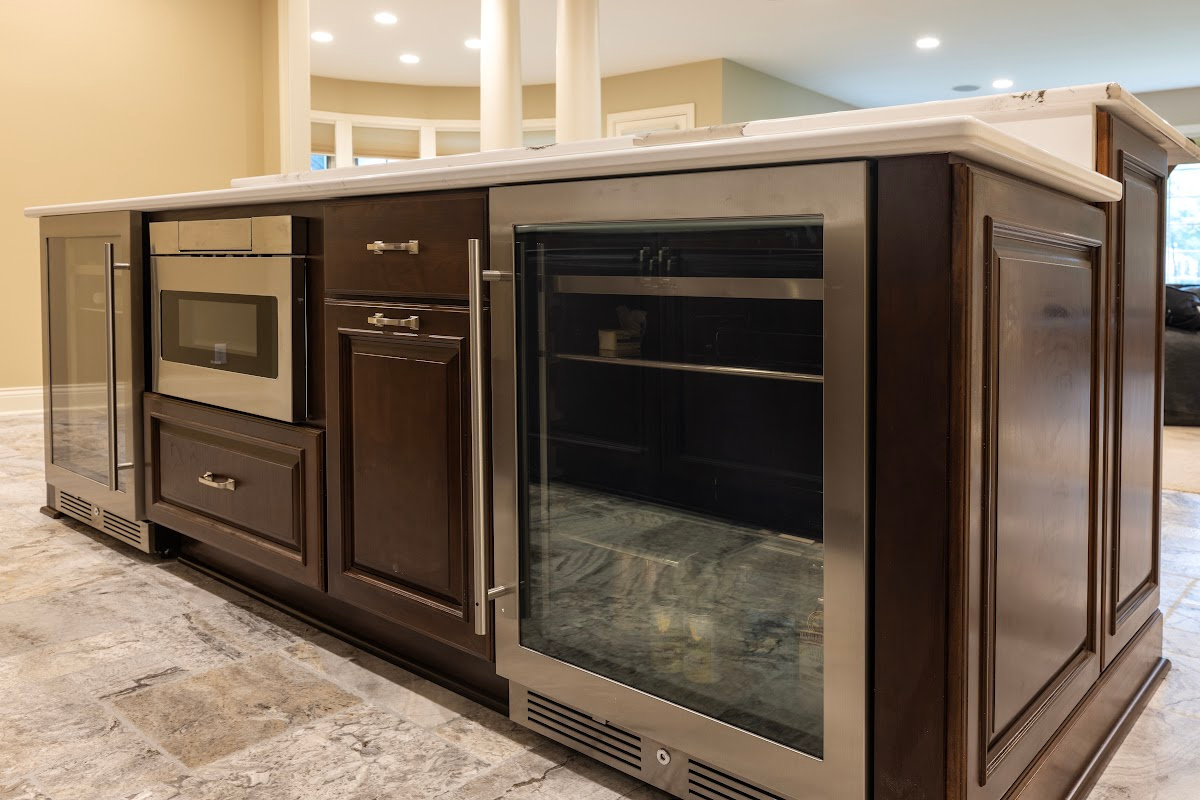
pixel 747 94
pixel 723 91
pixel 1176 106
pixel 117 98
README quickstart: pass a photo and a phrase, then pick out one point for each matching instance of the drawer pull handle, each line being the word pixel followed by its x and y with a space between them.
pixel 379 320
pixel 412 247
pixel 208 479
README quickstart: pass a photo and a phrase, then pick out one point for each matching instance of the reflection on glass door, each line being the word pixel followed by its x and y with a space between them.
pixel 671 423
pixel 80 360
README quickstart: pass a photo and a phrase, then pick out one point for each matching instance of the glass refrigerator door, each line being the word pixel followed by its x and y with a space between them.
pixel 671 411
pixel 82 368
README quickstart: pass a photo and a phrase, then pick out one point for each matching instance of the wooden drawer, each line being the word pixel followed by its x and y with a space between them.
pixel 263 498
pixel 441 224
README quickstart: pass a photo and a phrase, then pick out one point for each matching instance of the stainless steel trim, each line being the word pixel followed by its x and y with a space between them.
pixel 838 193
pixel 279 235
pixel 479 488
pixel 216 234
pixel 712 369
pixel 496 592
pixel 755 288
pixel 412 247
pixel 110 332
pixel 379 320
pixel 209 479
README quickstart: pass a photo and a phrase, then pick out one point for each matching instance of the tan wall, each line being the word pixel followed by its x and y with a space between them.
pixel 747 94
pixel 698 83
pixel 111 99
pixel 708 84
pixel 1176 106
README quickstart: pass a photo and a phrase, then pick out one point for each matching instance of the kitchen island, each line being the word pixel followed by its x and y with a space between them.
pixel 872 426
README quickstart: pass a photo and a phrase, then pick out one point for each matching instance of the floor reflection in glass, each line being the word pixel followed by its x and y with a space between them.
pixel 720 618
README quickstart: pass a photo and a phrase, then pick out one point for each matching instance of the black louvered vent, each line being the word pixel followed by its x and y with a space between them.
pixel 76 506
pixel 707 783
pixel 123 529
pixel 599 739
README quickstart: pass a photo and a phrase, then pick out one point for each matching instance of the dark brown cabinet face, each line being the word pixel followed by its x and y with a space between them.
pixel 398 487
pixel 439 224
pixel 1136 229
pixel 249 486
pixel 1035 413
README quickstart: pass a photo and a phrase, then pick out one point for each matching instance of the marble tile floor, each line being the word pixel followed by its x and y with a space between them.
pixel 126 677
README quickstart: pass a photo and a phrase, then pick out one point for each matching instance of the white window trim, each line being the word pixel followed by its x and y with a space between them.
pixel 344 124
pixel 685 112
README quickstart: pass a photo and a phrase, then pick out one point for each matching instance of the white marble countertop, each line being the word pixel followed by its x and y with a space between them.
pixel 766 142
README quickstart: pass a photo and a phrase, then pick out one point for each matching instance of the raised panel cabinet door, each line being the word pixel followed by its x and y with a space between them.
pixel 1135 268
pixel 399 533
pixel 1030 261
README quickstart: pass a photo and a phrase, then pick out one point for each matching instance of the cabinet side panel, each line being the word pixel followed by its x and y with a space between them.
pixel 1136 228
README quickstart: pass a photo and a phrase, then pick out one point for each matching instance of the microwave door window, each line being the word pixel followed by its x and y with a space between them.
pixel 233 333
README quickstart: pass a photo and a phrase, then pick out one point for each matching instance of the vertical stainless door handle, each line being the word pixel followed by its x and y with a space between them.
pixel 479 493
pixel 110 334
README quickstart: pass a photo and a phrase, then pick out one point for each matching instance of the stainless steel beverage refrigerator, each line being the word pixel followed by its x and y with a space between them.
pixel 679 400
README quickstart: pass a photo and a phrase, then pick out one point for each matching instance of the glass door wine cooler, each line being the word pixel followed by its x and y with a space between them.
pixel 679 412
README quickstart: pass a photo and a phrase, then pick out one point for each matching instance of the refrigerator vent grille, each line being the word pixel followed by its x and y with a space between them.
pixel 123 529
pixel 707 783
pixel 76 507
pixel 598 739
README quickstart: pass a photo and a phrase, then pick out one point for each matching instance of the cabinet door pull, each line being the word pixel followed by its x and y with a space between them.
pixel 412 247
pixel 217 482
pixel 481 513
pixel 379 321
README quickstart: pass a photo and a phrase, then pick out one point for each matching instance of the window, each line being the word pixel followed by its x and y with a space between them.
pixel 320 161
pixel 1183 225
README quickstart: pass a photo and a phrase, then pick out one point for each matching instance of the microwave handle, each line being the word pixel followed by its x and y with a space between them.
pixel 480 504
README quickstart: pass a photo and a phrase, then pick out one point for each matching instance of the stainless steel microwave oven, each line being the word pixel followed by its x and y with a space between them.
pixel 228 315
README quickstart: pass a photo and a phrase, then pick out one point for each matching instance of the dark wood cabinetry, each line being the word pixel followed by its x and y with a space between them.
pixel 249 486
pixel 439 224
pixel 1002 347
pixel 1135 328
pixel 399 447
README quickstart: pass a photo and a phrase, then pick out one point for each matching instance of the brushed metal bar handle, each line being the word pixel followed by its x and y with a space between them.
pixel 216 482
pixel 412 247
pixel 493 275
pixel 380 321
pixel 479 494
pixel 110 332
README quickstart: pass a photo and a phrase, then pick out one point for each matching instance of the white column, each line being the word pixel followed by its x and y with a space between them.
pixel 577 70
pixel 343 143
pixel 500 113
pixel 295 99
pixel 427 144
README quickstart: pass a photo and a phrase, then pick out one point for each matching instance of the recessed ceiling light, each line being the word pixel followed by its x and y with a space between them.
pixel 322 36
pixel 966 87
pixel 386 18
pixel 474 44
pixel 928 42
pixel 410 58
pixel 1002 83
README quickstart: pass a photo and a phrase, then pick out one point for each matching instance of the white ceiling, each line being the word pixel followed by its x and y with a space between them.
pixel 859 51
